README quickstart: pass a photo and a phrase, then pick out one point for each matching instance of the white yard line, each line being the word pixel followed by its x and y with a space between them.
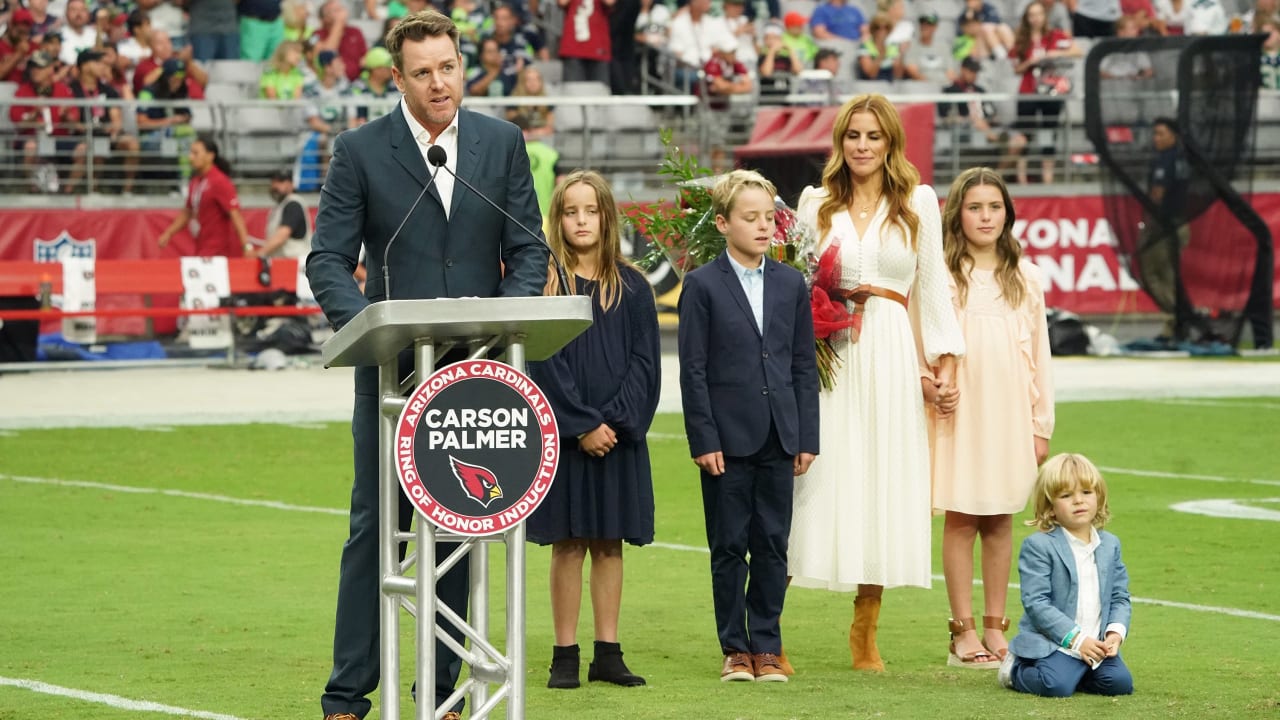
pixel 1233 612
pixel 274 505
pixel 114 701
pixel 1217 403
pixel 1187 476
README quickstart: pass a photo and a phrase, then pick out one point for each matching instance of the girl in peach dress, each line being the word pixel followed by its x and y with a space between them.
pixel 985 454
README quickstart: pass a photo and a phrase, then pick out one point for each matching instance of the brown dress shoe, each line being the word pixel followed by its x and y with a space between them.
pixel 737 666
pixel 768 668
pixel 451 715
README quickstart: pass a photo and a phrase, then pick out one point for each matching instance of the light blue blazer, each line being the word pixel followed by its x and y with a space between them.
pixel 1050 584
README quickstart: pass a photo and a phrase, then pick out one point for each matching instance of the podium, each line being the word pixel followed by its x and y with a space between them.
pixel 526 328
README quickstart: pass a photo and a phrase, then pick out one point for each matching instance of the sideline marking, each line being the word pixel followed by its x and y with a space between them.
pixel 1235 612
pixel 1213 403
pixel 275 505
pixel 1186 476
pixel 1228 508
pixel 114 701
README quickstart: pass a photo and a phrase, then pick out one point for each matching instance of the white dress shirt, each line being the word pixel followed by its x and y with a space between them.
pixel 447 139
pixel 752 280
pixel 1088 594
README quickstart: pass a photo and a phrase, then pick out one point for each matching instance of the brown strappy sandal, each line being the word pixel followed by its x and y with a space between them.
pixel 992 622
pixel 977 660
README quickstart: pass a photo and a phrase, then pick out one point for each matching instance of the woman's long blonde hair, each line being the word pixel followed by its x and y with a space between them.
pixel 955 247
pixel 898 179
pixel 608 251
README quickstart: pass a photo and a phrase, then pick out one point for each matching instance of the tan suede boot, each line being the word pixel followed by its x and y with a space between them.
pixel 785 663
pixel 862 634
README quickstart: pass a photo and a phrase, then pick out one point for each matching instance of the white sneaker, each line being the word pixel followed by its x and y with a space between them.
pixel 1005 673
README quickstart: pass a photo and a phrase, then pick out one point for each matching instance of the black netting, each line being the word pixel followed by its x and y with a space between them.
pixel 1181 213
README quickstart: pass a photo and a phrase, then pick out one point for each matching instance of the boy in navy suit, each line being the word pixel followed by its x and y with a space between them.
pixel 749 384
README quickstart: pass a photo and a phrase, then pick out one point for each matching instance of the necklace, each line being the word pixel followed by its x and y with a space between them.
pixel 862 212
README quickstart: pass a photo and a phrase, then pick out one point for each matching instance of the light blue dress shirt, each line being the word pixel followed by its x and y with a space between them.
pixel 753 285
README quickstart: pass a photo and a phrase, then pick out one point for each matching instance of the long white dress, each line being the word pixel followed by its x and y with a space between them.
pixel 862 512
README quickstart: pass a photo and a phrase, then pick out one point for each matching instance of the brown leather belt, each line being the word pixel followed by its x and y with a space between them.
pixel 859 295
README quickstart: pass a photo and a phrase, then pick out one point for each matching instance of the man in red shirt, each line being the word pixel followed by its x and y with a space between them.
pixel 148 69
pixel 212 213
pixel 38 125
pixel 336 35
pixel 15 46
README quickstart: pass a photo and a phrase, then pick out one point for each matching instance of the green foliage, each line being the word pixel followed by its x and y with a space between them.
pixel 683 233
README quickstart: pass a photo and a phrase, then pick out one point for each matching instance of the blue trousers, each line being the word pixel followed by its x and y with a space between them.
pixel 1061 675
pixel 748 512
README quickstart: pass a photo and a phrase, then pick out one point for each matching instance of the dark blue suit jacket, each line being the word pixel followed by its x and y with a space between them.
pixel 374 175
pixel 736 381
pixel 1050 590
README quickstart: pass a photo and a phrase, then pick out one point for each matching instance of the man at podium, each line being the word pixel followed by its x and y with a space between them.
pixel 424 237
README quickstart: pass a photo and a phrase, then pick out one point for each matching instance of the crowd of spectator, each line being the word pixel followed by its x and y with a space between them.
pixel 159 53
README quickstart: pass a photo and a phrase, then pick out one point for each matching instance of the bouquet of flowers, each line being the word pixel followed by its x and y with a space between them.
pixel 684 234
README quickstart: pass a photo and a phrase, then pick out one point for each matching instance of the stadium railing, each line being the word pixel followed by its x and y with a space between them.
pixel 618 135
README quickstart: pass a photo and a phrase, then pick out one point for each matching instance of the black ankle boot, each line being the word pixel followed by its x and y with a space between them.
pixel 564 667
pixel 607 666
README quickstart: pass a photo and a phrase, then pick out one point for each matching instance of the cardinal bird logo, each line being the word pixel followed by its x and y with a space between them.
pixel 479 483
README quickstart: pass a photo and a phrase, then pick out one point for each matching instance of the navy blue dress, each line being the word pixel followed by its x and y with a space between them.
pixel 609 374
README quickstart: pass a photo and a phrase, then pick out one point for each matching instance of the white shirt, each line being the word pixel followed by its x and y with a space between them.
pixel 1088 593
pixel 74 41
pixel 448 139
pixel 693 42
pixel 132 49
pixel 752 280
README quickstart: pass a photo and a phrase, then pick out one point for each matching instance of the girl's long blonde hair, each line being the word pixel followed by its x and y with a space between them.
pixel 955 246
pixel 608 251
pixel 1061 473
pixel 899 177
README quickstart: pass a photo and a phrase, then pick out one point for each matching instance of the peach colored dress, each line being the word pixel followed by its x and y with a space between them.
pixel 984 455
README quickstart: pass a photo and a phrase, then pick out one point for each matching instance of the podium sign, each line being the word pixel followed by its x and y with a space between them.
pixel 476 447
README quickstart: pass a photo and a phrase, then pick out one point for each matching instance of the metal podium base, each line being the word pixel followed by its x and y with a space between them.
pixel 535 327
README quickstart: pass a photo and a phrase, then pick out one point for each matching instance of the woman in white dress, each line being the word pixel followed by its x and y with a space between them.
pixel 861 518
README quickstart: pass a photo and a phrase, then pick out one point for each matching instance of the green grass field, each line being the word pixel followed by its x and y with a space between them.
pixel 129 571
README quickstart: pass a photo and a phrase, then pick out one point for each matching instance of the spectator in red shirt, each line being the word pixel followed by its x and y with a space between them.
pixel 336 35
pixel 148 69
pixel 725 76
pixel 585 44
pixel 15 46
pixel 35 122
pixel 212 213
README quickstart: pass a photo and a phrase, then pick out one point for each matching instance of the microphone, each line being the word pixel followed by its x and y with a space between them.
pixel 437 156
pixel 386 269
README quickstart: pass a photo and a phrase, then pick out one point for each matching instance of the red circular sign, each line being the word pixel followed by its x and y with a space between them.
pixel 476 447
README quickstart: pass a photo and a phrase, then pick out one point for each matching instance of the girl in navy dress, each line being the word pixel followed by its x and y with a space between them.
pixel 604 388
